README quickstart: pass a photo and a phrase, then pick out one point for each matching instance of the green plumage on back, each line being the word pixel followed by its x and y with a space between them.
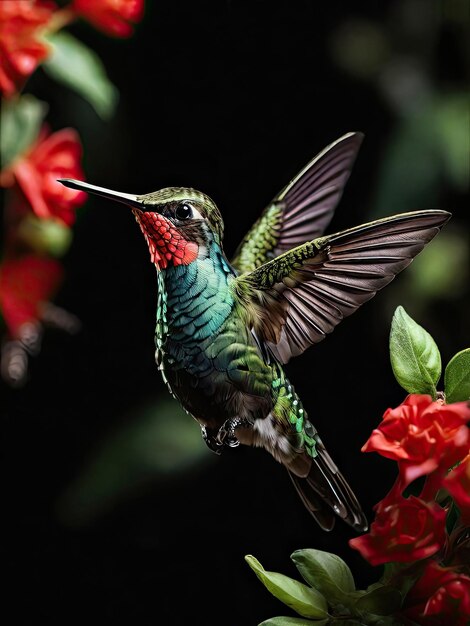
pixel 224 330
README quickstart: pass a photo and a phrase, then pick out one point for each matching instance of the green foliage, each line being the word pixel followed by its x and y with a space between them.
pixel 457 377
pixel 327 572
pixel 79 68
pixel 293 621
pixel 45 236
pixel 400 576
pixel 426 147
pixel 380 600
pixel 415 358
pixel 306 601
pixel 20 123
pixel 450 119
pixel 424 159
pixel 428 278
pixel 416 361
pixel 331 597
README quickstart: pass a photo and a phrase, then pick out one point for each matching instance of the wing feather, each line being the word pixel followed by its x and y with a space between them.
pixel 296 299
pixel 303 209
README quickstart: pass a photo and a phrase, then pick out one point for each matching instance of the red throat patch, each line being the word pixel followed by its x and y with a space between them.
pixel 165 243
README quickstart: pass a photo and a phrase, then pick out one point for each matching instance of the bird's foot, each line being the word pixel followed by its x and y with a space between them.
pixel 211 440
pixel 226 435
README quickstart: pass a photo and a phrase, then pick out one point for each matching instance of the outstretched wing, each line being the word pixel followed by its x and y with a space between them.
pixel 303 209
pixel 298 298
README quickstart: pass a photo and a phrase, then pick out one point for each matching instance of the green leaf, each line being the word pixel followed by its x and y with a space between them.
pixel 457 377
pixel 402 576
pixel 327 573
pixel 20 123
pixel 453 517
pixel 415 358
pixel 450 125
pixel 427 151
pixel 45 235
pixel 302 599
pixel 382 600
pixel 293 621
pixel 341 621
pixel 79 68
pixel 428 278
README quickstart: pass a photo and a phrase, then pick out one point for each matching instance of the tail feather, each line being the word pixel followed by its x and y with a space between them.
pixel 313 503
pixel 325 492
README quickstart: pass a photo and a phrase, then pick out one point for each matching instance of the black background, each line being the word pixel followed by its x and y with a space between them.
pixel 232 98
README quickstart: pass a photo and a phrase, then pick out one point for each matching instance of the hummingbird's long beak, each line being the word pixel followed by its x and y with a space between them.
pixel 126 198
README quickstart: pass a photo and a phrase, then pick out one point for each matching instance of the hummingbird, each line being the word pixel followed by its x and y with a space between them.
pixel 225 329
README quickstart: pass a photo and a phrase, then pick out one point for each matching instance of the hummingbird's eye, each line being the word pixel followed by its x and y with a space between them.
pixel 184 211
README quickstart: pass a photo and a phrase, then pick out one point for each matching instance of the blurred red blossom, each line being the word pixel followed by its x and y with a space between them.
pixel 404 530
pixel 21 46
pixel 26 283
pixel 53 156
pixel 441 595
pixel 457 484
pixel 422 436
pixel 39 211
pixel 114 17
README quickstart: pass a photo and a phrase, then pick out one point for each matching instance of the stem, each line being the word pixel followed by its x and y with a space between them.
pixel 431 486
pixel 60 19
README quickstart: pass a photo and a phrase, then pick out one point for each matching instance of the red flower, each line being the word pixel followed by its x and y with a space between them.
pixel 457 484
pixel 21 48
pixel 36 172
pixel 113 17
pixel 422 436
pixel 26 283
pixel 440 596
pixel 404 530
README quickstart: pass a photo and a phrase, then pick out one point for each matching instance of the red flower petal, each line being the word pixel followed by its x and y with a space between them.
pixel 440 596
pixel 53 156
pixel 25 283
pixel 422 436
pixel 404 530
pixel 114 17
pixel 457 484
pixel 21 49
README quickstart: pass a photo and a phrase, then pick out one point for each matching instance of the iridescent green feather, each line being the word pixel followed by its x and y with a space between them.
pixel 260 241
pixel 288 408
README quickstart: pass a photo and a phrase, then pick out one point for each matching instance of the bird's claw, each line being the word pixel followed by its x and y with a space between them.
pixel 211 441
pixel 225 436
